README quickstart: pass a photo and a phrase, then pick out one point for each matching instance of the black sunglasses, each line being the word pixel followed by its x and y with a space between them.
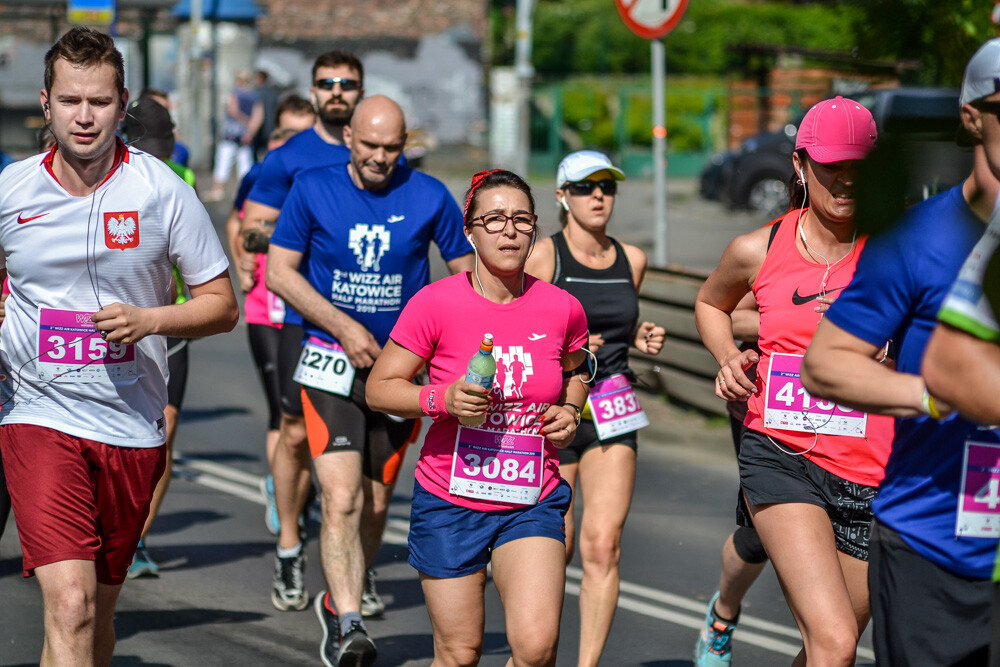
pixel 609 186
pixel 346 85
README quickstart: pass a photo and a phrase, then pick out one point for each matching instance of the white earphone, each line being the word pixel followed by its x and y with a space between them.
pixel 802 177
pixel 468 237
pixel 565 205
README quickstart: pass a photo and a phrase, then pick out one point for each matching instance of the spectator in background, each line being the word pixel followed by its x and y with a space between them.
pixel 244 115
pixel 269 100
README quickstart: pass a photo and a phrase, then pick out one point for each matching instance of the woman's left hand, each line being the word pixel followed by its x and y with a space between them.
pixel 559 425
pixel 649 338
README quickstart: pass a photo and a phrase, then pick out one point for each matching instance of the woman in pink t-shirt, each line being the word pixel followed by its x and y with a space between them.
pixel 490 494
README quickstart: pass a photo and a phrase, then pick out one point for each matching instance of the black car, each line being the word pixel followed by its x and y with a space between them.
pixel 756 176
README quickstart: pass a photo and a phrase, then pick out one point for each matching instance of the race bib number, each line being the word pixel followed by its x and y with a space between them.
pixel 71 350
pixel 979 499
pixel 789 407
pixel 615 408
pixel 499 466
pixel 325 366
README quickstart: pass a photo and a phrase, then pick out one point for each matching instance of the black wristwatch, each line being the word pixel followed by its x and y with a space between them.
pixel 579 412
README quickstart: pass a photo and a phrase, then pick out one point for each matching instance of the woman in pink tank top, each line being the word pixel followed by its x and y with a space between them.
pixel 808 468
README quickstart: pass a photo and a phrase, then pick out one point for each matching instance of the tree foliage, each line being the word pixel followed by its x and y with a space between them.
pixel 588 37
pixel 942 36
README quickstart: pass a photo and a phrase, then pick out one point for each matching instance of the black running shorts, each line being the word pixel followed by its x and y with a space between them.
pixel 264 342
pixel 177 367
pixel 923 614
pixel 289 349
pixel 586 438
pixel 340 423
pixel 769 475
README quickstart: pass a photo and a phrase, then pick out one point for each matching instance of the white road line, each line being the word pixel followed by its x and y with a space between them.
pixel 669 607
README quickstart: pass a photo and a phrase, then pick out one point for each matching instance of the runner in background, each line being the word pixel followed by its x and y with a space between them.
pixel 933 546
pixel 85 359
pixel 263 310
pixel 962 364
pixel 467 512
pixel 743 555
pixel 605 276
pixel 808 470
pixel 149 128
pixel 362 232
pixel 46 140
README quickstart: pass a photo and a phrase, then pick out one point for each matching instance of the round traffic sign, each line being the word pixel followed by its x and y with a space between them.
pixel 651 19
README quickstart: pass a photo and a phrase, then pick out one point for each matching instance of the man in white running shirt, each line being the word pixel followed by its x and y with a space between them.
pixel 89 233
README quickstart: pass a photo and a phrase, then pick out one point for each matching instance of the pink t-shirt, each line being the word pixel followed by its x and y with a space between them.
pixel 444 323
pixel 261 306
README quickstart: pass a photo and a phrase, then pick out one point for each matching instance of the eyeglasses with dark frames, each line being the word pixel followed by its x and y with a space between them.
pixel 495 223
pixel 346 85
pixel 609 186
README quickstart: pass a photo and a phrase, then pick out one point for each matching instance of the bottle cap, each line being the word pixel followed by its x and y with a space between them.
pixel 487 345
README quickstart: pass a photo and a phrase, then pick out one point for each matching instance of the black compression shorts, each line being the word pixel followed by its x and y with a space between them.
pixel 340 423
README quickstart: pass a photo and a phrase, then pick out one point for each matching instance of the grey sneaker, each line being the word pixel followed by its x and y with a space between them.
pixel 356 648
pixel 371 602
pixel 288 592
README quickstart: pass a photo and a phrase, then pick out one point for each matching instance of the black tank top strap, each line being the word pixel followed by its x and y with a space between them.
pixel 609 299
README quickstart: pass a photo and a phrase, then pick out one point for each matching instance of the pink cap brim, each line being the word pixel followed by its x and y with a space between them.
pixel 828 154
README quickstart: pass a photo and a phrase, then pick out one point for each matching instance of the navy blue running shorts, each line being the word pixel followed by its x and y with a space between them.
pixel 769 475
pixel 448 541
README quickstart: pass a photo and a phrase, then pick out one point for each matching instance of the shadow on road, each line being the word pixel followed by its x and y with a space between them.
pixel 205 414
pixel 174 522
pixel 203 555
pixel 129 623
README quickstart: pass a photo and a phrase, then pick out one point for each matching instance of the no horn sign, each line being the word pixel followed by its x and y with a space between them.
pixel 651 19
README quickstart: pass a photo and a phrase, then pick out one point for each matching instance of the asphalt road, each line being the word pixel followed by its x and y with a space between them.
pixel 211 606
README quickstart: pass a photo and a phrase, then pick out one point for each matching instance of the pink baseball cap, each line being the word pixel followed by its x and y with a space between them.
pixel 837 129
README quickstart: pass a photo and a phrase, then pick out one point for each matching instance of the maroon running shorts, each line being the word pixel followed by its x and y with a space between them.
pixel 78 499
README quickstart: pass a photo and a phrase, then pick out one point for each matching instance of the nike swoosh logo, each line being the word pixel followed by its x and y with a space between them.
pixel 535 336
pixel 395 218
pixel 799 299
pixel 21 219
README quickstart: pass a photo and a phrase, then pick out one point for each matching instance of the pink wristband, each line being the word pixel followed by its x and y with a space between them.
pixel 432 401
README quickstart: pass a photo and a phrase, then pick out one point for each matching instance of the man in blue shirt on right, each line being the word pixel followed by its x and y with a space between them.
pixel 935 532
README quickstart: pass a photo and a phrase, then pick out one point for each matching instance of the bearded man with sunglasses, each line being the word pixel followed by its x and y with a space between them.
pixel 349 251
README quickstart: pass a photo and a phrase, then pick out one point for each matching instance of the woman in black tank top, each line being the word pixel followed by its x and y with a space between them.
pixel 605 276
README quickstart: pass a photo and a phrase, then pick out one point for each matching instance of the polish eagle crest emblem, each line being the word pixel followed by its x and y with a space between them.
pixel 121 229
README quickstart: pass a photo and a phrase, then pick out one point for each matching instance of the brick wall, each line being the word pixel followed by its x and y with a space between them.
pixel 790 93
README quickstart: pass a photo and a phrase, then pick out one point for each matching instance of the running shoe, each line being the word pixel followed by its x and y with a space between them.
pixel 714 647
pixel 330 645
pixel 356 648
pixel 371 601
pixel 142 565
pixel 288 592
pixel 270 506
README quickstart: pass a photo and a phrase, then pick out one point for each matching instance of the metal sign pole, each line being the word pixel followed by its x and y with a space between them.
pixel 659 153
pixel 525 74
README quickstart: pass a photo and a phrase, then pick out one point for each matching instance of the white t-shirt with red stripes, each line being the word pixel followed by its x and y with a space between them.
pixel 67 257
